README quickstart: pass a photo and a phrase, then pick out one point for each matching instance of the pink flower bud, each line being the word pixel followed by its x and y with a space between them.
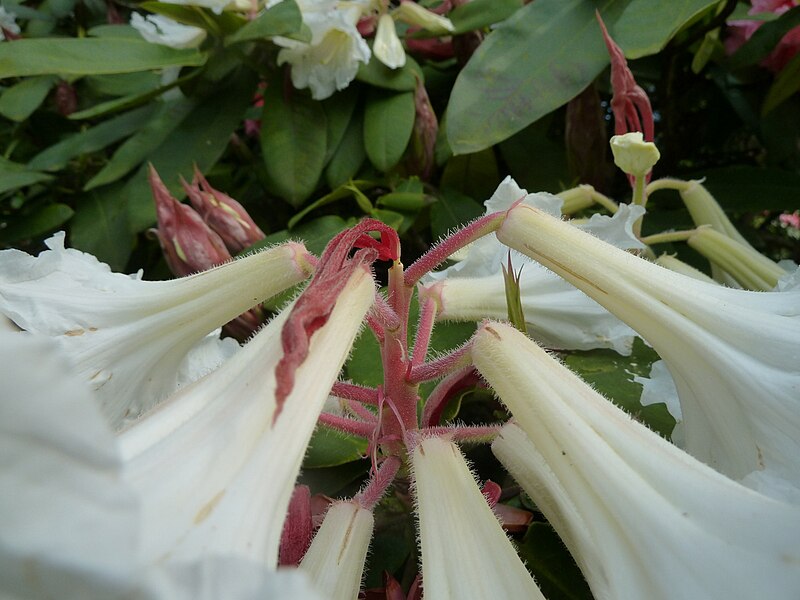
pixel 423 137
pixel 224 215
pixel 297 528
pixel 188 244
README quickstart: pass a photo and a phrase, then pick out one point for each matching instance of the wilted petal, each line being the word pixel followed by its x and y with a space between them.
pixel 335 560
pixel 643 518
pixel 128 337
pixel 214 468
pixel 558 314
pixel 733 354
pixel 465 553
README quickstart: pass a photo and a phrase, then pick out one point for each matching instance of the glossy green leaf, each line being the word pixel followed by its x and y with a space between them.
pixel 481 13
pixel 407 201
pixel 339 110
pixel 140 145
pixel 114 31
pixel 330 448
pixel 294 143
pixel 42 220
pixel 555 570
pixel 544 55
pixel 282 19
pixel 379 75
pixel 100 226
pixel 20 100
pixel 315 234
pixel 452 210
pixel 14 175
pixel 764 39
pixel 473 174
pixel 201 138
pixel 96 138
pixel 388 122
pixel 344 479
pixel 346 190
pixel 536 158
pixel 87 56
pixel 349 155
pixel 123 84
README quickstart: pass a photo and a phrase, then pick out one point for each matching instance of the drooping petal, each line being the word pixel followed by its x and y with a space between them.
pixel 733 354
pixel 387 47
pixel 335 560
pixel 128 337
pixel 465 553
pixel 659 388
pixel 214 468
pixel 643 518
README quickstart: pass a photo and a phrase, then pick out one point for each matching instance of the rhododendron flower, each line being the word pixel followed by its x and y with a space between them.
pixel 128 338
pixel 741 30
pixel 465 553
pixel 642 518
pixel 158 29
pixel 387 47
pixel 733 354
pixel 8 25
pixel 330 61
pixel 558 314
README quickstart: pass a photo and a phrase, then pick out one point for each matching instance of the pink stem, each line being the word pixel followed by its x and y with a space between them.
pixel 445 248
pixel 359 393
pixel 361 411
pixel 427 316
pixel 385 314
pixel 346 425
pixel 378 483
pixel 376 327
pixel 440 367
pixel 463 433
pixel 447 389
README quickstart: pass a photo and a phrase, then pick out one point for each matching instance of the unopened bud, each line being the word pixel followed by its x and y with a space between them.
pixel 413 14
pixel 633 155
pixel 423 137
pixel 224 215
pixel 387 47
pixel 189 245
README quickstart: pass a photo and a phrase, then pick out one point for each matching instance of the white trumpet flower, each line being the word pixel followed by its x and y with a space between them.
pixel 643 518
pixel 335 559
pixel 734 354
pixel 215 464
pixel 558 315
pixel 465 553
pixel 130 338
pixel 69 526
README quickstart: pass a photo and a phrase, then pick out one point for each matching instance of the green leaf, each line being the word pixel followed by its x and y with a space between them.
pixel 315 234
pixel 188 15
pixel 134 151
pixel 294 143
pixel 40 221
pixel 612 374
pixel 100 227
pixel 452 210
pixel 57 156
pixel 14 175
pixel 346 190
pixel 544 55
pixel 282 19
pixel 764 39
pixel 405 201
pixel 473 174
pixel 201 138
pixel 19 101
pixel 333 480
pixel 388 122
pixel 88 56
pixel 365 366
pixel 785 85
pixel 549 170
pixel 114 31
pixel 481 13
pixel 123 84
pixel 339 112
pixel 379 75
pixel 753 189
pixel 349 155
pixel 553 566
pixel 330 448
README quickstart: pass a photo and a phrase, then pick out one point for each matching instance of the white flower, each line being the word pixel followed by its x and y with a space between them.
pixel 128 337
pixel 71 527
pixel 8 22
pixel 659 388
pixel 387 46
pixel 465 553
pixel 158 29
pixel 330 61
pixel 642 518
pixel 419 16
pixel 672 263
pixel 734 354
pixel 558 314
pixel 207 474
pixel 217 6
pixel 335 560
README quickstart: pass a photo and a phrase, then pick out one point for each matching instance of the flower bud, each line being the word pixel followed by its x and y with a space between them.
pixel 224 215
pixel 413 14
pixel 633 155
pixel 387 47
pixel 188 244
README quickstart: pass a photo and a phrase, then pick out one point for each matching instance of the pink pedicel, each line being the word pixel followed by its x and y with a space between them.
pixel 298 528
